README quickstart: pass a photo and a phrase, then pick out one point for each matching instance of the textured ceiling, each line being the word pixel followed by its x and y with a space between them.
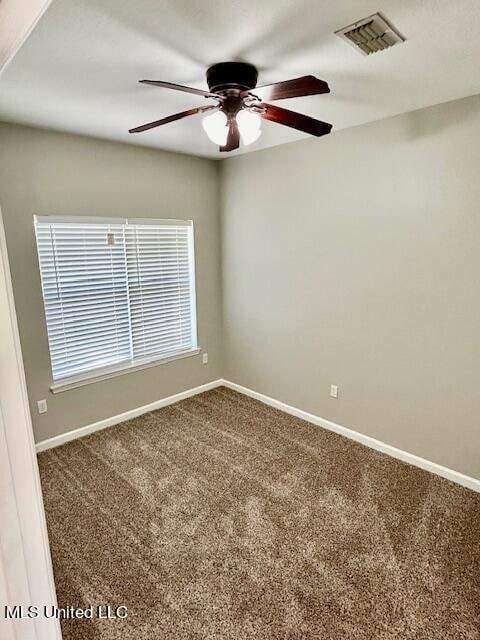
pixel 79 68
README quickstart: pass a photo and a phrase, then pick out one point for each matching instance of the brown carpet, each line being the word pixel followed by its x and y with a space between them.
pixel 222 518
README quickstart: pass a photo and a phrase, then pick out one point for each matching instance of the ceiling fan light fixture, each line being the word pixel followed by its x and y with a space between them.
pixel 241 105
pixel 249 126
pixel 215 126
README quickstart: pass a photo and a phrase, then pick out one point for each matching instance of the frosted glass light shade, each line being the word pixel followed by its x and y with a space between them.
pixel 215 127
pixel 249 126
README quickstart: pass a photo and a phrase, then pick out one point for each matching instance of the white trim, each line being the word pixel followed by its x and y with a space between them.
pixel 25 562
pixel 122 417
pixel 118 370
pixel 410 458
pixel 53 219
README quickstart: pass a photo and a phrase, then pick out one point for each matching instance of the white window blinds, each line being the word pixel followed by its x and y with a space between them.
pixel 117 293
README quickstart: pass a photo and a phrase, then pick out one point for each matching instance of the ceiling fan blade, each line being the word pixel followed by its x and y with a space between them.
pixel 295 120
pixel 233 138
pixel 296 88
pixel 176 116
pixel 180 87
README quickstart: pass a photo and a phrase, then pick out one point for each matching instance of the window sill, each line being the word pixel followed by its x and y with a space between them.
pixel 117 370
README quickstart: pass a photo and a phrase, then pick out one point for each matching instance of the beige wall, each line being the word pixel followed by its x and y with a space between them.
pixel 352 259
pixel 51 173
pixel 355 260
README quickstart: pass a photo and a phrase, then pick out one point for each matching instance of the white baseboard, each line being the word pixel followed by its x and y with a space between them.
pixel 410 458
pixel 122 417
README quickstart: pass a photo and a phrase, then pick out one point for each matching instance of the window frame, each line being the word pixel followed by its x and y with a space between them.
pixel 133 364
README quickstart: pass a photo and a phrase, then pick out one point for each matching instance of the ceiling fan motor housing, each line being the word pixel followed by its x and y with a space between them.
pixel 236 76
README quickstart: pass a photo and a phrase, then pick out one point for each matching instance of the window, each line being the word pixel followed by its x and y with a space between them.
pixel 118 293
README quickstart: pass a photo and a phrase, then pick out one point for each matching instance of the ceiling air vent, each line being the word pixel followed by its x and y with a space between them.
pixel 370 35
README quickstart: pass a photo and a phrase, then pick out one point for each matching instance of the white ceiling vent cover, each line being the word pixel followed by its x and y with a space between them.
pixel 370 35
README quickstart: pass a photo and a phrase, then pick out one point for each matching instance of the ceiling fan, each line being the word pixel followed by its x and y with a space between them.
pixel 240 104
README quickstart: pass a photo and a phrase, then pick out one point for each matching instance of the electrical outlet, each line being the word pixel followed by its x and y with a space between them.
pixel 205 358
pixel 333 391
pixel 42 406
